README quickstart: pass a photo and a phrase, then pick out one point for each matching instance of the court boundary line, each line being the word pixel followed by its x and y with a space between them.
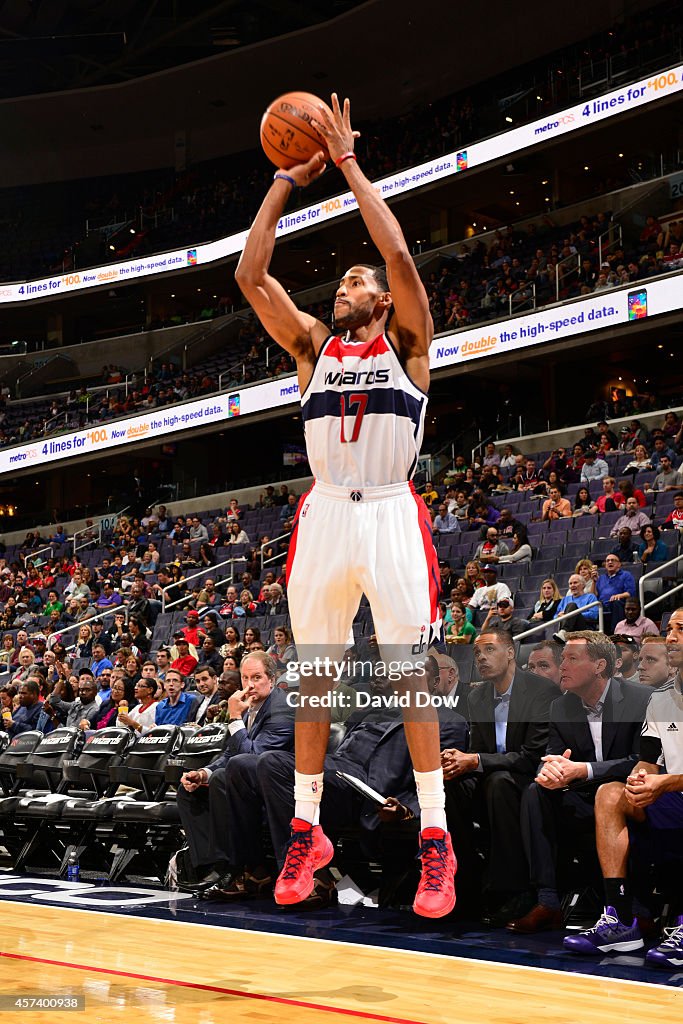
pixel 451 958
pixel 219 989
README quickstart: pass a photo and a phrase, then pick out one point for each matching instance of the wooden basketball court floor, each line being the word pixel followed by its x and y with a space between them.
pixel 171 971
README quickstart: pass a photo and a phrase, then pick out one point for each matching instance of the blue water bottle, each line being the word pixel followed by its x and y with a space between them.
pixel 73 871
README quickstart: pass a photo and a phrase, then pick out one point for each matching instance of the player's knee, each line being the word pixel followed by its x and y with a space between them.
pixel 609 797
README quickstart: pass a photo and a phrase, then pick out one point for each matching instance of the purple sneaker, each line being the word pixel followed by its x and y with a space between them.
pixel 607 936
pixel 668 953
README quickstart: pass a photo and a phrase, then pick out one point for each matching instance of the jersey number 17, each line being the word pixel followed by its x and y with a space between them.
pixel 352 403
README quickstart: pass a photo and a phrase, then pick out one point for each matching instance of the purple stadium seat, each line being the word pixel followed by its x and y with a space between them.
pixel 546 566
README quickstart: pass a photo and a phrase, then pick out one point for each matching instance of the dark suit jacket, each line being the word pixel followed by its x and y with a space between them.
pixel 382 759
pixel 201 719
pixel 25 718
pixel 273 729
pixel 622 720
pixel 527 727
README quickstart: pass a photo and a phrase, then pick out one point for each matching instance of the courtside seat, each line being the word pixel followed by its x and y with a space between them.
pixel 14 754
pixel 44 765
pixel 141 768
pixel 145 764
pixel 200 747
pixel 28 818
pixel 104 749
pixel 148 825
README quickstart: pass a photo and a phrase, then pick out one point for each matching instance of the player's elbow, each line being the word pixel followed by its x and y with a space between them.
pixel 397 256
pixel 248 279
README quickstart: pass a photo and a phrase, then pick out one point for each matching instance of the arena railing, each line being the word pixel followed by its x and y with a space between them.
pixel 206 329
pixel 657 571
pixel 119 609
pixel 479 447
pixel 208 571
pixel 275 558
pixel 104 523
pixel 662 597
pixel 41 551
pixel 518 300
pixel 562 275
pixel 95 534
pixel 49 424
pixel 563 618
pixel 612 238
pixel 544 440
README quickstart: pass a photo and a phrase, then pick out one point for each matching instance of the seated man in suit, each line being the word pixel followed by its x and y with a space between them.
pixel 374 750
pixel 206 679
pixel 259 720
pixel 509 715
pixel 594 737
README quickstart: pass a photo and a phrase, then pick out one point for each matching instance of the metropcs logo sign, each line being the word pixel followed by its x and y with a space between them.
pixel 561 120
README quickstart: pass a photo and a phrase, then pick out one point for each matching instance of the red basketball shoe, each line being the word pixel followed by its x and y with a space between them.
pixel 435 895
pixel 308 849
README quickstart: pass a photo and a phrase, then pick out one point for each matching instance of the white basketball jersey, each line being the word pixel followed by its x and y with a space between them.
pixel 363 416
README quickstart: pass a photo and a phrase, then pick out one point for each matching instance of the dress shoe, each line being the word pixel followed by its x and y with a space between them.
pixel 515 906
pixel 240 886
pixel 539 919
pixel 202 884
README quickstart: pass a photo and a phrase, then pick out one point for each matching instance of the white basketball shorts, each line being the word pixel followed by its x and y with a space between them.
pixel 375 541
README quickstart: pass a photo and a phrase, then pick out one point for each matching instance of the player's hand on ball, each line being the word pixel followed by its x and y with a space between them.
pixel 336 128
pixel 304 174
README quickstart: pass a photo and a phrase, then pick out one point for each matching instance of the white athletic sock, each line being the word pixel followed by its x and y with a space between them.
pixel 432 799
pixel 308 791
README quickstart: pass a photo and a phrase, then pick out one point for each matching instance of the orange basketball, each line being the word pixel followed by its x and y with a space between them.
pixel 288 136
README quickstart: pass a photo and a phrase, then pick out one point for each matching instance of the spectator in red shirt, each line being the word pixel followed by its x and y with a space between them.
pixel 612 499
pixel 192 631
pixel 184 663
pixel 674 520
pixel 627 491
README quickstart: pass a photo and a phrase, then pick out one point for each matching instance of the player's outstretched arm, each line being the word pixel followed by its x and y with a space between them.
pixel 298 333
pixel 413 321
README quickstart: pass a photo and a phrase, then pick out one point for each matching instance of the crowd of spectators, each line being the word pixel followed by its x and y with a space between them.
pixel 502 513
pixel 170 648
pixel 517 270
pixel 215 668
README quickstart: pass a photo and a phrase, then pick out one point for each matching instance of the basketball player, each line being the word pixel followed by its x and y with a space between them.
pixel 361 528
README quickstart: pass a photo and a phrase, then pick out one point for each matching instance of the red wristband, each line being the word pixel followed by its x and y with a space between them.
pixel 345 156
